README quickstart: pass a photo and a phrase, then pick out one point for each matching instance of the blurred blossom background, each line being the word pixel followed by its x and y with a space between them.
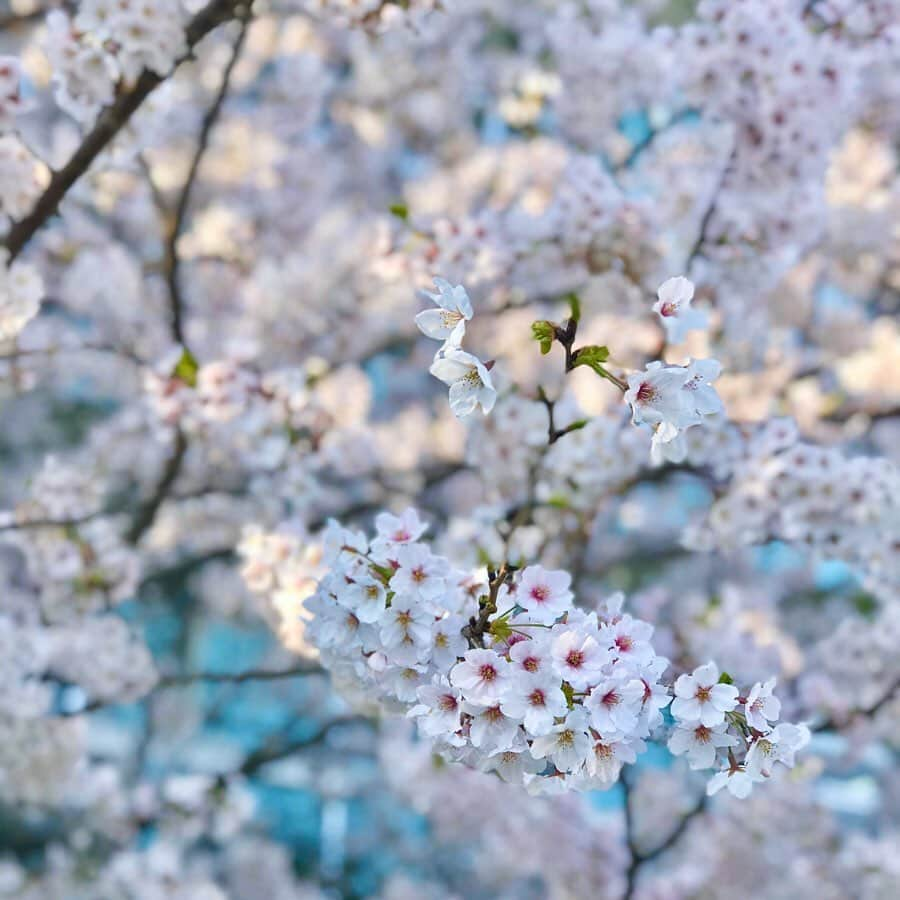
pixel 217 221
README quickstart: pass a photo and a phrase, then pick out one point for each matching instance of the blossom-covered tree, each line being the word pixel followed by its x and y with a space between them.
pixel 449 449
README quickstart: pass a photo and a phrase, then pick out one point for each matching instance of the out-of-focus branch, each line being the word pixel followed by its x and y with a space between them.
pixel 49 352
pixel 176 226
pixel 52 523
pixel 146 513
pixel 297 671
pixel 650 137
pixel 639 857
pixel 109 123
pixel 281 748
pixel 831 724
pixel 697 247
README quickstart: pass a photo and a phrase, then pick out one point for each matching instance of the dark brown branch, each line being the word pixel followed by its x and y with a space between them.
pixel 479 625
pixel 109 123
pixel 146 513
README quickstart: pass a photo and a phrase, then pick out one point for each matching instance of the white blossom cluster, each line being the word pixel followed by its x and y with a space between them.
pixel 840 507
pixel 105 43
pixel 510 676
pixel 262 418
pixel 539 241
pixel 673 399
pixel 21 292
pixel 19 185
pixel 781 141
pixel 468 378
pixel 57 631
pixel 711 719
pixel 257 224
pixel 284 567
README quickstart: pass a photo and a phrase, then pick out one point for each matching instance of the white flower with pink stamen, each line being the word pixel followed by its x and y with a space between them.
pixel 699 744
pixel 674 309
pixel 544 595
pixel 578 658
pixel 536 700
pixel 700 697
pixel 481 676
pixel 761 706
pixel 615 704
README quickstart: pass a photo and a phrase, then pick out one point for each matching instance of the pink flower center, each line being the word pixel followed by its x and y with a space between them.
pixel 703 694
pixel 531 664
pixel 419 574
pixel 668 309
pixel 537 698
pixel 611 698
pixel 447 703
pixel 624 643
pixel 487 672
pixel 646 393
pixel 702 734
pixel 575 659
pixel 540 593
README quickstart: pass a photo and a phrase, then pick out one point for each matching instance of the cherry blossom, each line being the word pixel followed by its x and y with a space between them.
pixel 675 310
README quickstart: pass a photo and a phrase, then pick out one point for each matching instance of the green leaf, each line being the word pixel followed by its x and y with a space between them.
pixel 543 332
pixel 501 629
pixel 558 501
pixel 385 573
pixel 591 356
pixel 574 305
pixel 569 693
pixel 725 678
pixel 186 368
pixel 400 210
pixel 866 605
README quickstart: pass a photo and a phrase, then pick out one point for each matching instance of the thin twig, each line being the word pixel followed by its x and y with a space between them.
pixel 831 724
pixel 650 137
pixel 297 671
pixel 172 259
pixel 278 749
pixel 122 353
pixel 53 523
pixel 697 247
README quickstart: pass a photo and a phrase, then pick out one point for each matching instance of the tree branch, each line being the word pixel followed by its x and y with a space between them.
pixel 638 857
pixel 277 749
pixel 109 123
pixel 146 513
